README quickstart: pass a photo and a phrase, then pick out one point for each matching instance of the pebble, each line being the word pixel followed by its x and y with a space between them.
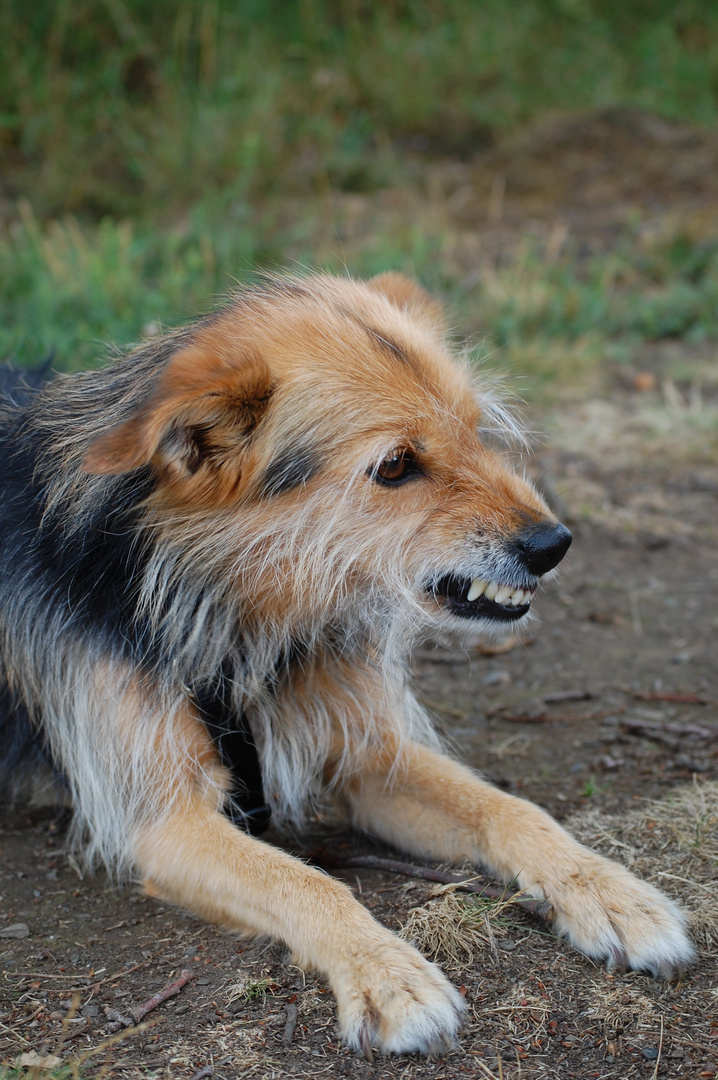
pixel 496 678
pixel 17 930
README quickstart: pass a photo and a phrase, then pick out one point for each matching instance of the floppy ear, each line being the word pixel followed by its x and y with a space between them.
pixel 203 409
pixel 408 295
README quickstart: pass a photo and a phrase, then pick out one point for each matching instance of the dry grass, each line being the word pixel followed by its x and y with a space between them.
pixel 673 843
pixel 456 929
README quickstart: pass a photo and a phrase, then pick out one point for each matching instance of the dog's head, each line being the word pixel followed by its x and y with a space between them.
pixel 317 442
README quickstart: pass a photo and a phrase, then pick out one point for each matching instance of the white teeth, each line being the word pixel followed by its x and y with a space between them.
pixel 478 586
pixel 500 594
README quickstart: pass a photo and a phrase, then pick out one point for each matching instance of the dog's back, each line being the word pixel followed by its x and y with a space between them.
pixel 25 764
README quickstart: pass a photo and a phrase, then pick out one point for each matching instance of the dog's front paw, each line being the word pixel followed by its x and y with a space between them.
pixel 609 914
pixel 392 999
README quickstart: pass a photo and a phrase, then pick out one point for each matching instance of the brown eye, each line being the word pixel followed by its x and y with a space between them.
pixel 396 468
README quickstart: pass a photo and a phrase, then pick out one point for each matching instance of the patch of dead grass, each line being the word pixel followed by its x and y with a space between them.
pixel 672 843
pixel 454 928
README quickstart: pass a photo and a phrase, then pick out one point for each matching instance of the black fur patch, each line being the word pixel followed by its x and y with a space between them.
pixel 232 736
pixel 16 384
pixel 292 469
pixel 24 751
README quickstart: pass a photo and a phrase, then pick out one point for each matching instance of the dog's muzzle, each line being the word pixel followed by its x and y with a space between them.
pixel 535 551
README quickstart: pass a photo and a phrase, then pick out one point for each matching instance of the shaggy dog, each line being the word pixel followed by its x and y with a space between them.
pixel 215 554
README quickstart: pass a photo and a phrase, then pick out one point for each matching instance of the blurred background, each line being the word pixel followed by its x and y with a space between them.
pixel 550 167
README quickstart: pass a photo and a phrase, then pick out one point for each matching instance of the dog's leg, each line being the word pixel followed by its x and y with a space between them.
pixel 388 995
pixel 433 806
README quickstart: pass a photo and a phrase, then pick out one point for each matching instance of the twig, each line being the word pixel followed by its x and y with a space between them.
pixel 171 990
pixel 666 731
pixel 292 1014
pixel 677 699
pixel 660 1051
pixel 541 908
pixel 550 718
pixel 486 1071
pixel 88 980
pixel 206 1070
pixel 117 1020
pixel 526 718
pixel 567 695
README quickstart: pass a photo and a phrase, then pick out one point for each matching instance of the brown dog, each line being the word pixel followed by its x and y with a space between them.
pixel 218 551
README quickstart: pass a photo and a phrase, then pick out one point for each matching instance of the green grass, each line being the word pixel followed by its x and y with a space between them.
pixel 152 154
pixel 73 289
pixel 146 109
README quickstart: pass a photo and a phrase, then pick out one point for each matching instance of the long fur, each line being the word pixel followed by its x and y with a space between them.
pixel 208 534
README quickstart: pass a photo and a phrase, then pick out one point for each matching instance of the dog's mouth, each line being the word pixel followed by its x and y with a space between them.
pixel 478 598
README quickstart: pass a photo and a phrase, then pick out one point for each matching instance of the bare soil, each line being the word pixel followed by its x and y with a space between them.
pixel 611 701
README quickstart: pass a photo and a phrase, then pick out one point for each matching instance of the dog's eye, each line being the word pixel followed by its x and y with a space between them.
pixel 396 468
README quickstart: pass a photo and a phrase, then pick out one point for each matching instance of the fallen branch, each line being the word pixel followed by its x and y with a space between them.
pixel 540 908
pixel 530 718
pixel 205 1071
pixel 675 698
pixel 567 695
pixel 137 1015
pixel 551 718
pixel 667 731
pixel 292 1014
pixel 87 980
pixel 171 990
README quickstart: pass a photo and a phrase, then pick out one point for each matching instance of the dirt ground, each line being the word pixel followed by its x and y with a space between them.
pixel 609 701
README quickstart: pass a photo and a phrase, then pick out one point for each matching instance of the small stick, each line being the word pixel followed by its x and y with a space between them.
pixel 88 980
pixel 678 699
pixel 550 718
pixel 167 992
pixel 663 730
pixel 116 1019
pixel 541 908
pixel 567 695
pixel 205 1071
pixel 660 1051
pixel 292 1014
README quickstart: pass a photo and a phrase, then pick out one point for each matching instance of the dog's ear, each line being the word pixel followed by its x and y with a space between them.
pixel 202 410
pixel 409 296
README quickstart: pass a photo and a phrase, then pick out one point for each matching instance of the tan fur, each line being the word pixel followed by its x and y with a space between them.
pixel 346 374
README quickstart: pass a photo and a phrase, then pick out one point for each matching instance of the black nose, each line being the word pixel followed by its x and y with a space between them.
pixel 541 547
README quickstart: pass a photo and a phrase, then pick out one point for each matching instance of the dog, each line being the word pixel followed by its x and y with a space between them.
pixel 215 555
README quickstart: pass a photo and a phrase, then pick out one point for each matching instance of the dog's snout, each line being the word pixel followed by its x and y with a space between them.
pixel 541 547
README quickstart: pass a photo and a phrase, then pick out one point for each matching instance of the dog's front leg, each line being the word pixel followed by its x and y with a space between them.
pixel 388 995
pixel 433 806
